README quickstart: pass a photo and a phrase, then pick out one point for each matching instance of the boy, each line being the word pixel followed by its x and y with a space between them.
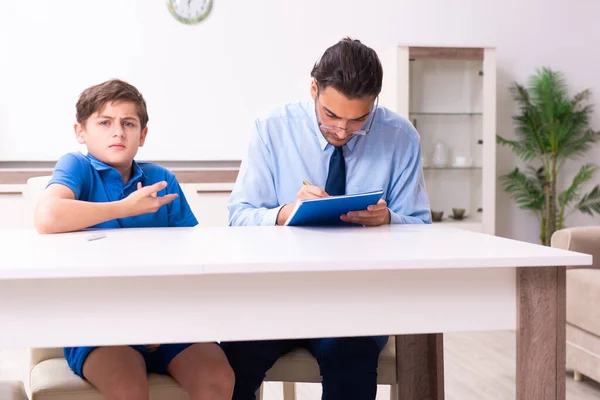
pixel 107 189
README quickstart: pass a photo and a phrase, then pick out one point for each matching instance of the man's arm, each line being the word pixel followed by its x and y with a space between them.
pixel 254 199
pixel 407 199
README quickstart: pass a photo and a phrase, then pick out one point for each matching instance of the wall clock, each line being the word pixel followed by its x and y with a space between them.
pixel 189 11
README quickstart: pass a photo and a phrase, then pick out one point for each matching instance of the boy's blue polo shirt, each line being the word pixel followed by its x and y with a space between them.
pixel 92 180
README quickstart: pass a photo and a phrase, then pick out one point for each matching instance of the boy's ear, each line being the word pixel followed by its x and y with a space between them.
pixel 143 136
pixel 79 130
pixel 313 89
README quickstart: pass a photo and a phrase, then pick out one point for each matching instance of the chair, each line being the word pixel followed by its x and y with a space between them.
pixel 33 190
pixel 12 390
pixel 51 378
pixel 583 293
pixel 300 366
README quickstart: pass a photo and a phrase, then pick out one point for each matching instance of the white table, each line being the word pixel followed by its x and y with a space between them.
pixel 218 284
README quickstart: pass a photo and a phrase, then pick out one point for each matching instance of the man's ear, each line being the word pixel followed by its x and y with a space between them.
pixel 143 134
pixel 79 131
pixel 313 89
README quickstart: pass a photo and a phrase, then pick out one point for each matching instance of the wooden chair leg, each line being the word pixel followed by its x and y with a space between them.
pixel 289 391
pixel 259 392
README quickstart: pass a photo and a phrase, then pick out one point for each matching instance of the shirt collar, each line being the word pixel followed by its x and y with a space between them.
pixel 317 131
pixel 136 171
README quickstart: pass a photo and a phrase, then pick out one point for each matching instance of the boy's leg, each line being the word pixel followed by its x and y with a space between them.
pixel 348 366
pixel 118 372
pixel 201 369
pixel 251 360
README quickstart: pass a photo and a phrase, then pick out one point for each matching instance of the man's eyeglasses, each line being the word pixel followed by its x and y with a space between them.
pixel 349 131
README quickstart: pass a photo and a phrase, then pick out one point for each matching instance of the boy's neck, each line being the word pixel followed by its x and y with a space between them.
pixel 125 173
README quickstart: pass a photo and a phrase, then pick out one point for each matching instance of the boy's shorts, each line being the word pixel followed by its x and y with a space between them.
pixel 156 361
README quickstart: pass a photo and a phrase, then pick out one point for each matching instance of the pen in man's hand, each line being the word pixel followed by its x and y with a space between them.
pixel 306 183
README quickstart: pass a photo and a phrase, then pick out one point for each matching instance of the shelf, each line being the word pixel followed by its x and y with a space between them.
pixel 445 53
pixel 450 167
pixel 444 114
pixel 447 94
pixel 469 223
pixel 475 226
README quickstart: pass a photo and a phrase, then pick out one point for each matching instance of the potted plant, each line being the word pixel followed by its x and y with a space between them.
pixel 552 128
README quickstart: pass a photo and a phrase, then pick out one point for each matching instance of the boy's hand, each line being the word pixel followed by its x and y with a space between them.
pixel 145 200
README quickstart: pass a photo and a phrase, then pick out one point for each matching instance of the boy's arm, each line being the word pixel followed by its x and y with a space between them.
pixel 58 211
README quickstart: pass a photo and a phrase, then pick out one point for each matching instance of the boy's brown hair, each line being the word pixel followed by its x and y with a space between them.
pixel 94 98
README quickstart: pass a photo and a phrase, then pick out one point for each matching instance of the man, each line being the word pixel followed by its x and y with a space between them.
pixel 341 142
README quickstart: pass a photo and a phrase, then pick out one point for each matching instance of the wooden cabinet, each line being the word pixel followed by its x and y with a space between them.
pixel 208 202
pixel 14 210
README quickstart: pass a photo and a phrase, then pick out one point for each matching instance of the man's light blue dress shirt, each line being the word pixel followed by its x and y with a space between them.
pixel 287 147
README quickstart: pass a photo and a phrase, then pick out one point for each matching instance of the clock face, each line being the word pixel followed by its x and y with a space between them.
pixel 189 11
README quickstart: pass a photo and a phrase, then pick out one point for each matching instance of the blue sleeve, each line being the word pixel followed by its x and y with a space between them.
pixel 70 171
pixel 180 213
pixel 407 200
pixel 253 201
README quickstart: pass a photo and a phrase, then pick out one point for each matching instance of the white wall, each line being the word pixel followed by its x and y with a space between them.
pixel 251 55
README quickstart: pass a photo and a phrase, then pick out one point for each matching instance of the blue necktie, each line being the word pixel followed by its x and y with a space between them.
pixel 336 177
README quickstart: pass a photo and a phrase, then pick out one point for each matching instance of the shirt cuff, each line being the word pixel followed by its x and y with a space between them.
pixel 395 218
pixel 269 218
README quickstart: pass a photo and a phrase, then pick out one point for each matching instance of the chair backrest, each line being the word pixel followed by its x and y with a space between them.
pixel 33 190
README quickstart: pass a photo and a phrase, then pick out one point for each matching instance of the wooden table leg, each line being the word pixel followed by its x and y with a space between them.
pixel 420 366
pixel 541 330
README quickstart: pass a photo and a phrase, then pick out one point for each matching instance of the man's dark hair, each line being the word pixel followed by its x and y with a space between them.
pixel 351 68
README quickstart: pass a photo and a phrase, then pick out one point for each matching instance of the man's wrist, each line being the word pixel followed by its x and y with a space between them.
pixel 282 215
pixel 388 217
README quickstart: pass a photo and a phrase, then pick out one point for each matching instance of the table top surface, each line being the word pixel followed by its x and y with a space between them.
pixel 248 250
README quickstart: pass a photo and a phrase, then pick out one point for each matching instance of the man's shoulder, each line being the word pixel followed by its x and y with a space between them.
pixel 282 123
pixel 397 126
pixel 289 111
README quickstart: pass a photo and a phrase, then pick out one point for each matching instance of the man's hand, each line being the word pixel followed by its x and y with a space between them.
pixel 310 192
pixel 307 192
pixel 145 200
pixel 374 215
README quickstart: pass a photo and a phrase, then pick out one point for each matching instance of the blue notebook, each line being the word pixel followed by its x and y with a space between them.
pixel 327 210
